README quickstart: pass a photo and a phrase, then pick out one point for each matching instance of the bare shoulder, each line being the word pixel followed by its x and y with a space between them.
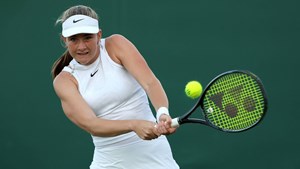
pixel 116 46
pixel 119 48
pixel 63 82
pixel 118 42
pixel 116 38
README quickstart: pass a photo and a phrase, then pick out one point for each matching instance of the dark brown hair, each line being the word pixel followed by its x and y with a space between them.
pixel 66 58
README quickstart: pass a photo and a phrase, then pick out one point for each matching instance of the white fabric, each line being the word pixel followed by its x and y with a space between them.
pixel 77 24
pixel 114 94
pixel 154 154
pixel 161 111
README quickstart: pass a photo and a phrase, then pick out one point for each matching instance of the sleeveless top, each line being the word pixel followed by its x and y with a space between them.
pixel 113 93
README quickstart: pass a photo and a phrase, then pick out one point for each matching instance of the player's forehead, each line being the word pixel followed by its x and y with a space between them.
pixel 82 35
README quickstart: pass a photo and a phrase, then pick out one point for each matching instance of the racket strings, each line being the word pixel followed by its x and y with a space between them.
pixel 234 101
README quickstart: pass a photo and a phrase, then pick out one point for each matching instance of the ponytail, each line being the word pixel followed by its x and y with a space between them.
pixel 60 63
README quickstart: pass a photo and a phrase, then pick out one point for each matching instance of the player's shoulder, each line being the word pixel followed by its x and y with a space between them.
pixel 117 46
pixel 116 37
pixel 64 80
pixel 116 40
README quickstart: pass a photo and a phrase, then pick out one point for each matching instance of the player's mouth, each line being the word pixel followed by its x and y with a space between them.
pixel 82 53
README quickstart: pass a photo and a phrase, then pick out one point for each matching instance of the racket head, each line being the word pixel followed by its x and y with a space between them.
pixel 234 101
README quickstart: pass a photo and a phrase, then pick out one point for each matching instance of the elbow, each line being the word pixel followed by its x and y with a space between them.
pixel 88 125
pixel 93 132
pixel 93 129
pixel 96 128
pixel 88 128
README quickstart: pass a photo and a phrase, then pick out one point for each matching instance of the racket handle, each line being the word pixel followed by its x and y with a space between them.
pixel 175 123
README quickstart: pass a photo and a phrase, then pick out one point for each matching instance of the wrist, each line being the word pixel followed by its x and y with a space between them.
pixel 132 125
pixel 161 111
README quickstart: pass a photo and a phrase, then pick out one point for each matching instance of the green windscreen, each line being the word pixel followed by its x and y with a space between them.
pixel 234 102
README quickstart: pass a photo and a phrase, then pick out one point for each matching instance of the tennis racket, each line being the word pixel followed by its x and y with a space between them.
pixel 234 101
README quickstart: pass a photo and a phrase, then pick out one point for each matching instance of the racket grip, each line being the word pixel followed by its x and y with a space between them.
pixel 175 123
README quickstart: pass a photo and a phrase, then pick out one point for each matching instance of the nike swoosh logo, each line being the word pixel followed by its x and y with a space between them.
pixel 92 74
pixel 75 21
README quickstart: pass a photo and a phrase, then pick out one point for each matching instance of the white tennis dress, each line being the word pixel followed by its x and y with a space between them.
pixel 114 94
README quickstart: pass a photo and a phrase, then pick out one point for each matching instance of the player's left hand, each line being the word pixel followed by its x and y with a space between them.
pixel 164 125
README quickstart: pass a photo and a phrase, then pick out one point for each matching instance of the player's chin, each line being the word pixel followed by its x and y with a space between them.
pixel 84 59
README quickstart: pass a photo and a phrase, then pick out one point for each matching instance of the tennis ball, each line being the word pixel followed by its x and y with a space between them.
pixel 193 89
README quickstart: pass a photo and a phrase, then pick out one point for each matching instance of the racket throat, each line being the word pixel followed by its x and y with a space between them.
pixel 176 122
pixel 192 120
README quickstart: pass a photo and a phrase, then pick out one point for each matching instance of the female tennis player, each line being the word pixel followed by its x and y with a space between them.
pixel 104 85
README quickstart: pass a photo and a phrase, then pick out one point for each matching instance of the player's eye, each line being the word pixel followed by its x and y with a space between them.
pixel 88 37
pixel 72 39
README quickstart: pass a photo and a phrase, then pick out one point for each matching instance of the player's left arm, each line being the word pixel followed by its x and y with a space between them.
pixel 126 54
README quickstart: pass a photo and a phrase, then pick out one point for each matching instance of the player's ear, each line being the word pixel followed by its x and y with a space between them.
pixel 63 38
pixel 63 41
pixel 99 35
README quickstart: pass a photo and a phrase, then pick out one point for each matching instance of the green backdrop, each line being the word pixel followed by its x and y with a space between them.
pixel 182 41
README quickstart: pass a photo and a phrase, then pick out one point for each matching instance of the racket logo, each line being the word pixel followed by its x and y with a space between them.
pixel 234 101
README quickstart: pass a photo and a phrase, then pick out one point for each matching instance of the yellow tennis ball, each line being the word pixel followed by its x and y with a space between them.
pixel 193 89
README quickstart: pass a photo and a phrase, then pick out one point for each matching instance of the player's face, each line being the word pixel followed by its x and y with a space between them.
pixel 84 48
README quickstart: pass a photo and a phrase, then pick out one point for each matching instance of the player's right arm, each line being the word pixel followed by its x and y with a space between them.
pixel 80 113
